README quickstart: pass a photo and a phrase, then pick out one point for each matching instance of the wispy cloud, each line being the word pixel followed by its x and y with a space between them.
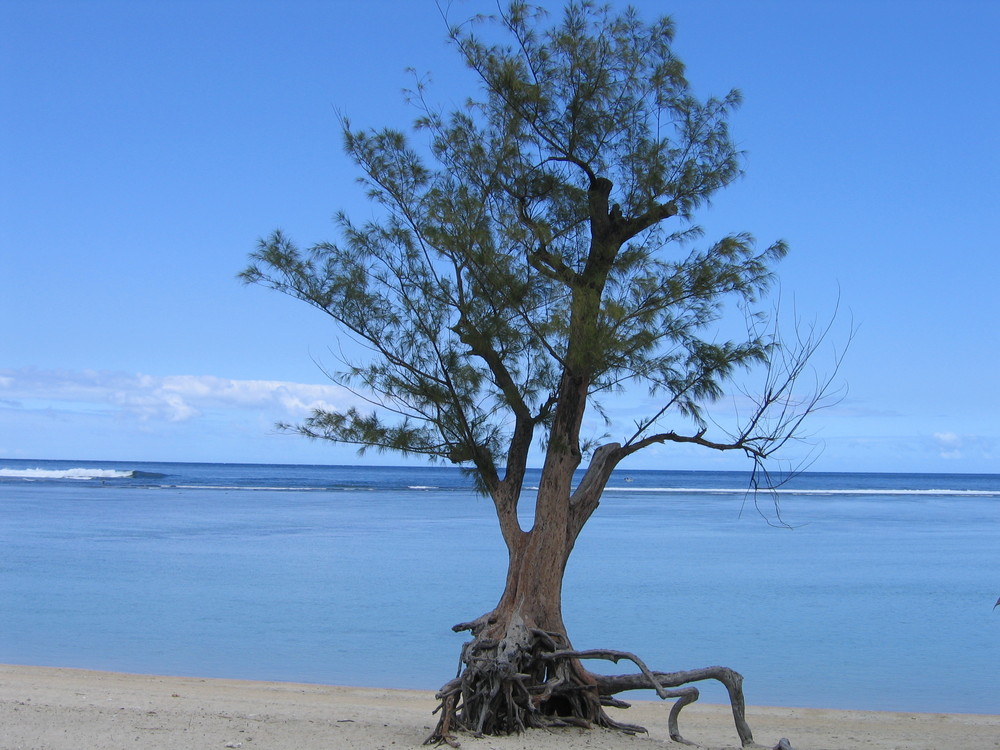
pixel 954 446
pixel 171 398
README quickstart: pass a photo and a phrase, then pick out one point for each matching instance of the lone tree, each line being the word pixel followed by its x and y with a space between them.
pixel 532 255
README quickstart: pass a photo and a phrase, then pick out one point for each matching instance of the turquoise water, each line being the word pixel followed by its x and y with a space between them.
pixel 879 597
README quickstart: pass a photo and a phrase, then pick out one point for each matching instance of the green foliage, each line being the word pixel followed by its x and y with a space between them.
pixel 537 236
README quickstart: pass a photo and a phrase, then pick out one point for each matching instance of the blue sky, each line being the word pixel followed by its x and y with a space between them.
pixel 147 145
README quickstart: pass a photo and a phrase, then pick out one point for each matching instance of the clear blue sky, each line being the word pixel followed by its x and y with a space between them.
pixel 147 144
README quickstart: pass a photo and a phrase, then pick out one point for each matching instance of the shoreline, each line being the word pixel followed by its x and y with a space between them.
pixel 55 708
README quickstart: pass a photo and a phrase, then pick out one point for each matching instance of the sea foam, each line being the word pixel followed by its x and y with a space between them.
pixel 78 473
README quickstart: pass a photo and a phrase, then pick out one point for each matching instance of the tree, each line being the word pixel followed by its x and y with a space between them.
pixel 533 257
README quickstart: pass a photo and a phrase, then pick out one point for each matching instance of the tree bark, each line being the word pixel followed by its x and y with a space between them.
pixel 505 684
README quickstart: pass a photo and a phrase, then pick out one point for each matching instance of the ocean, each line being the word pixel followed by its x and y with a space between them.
pixel 850 591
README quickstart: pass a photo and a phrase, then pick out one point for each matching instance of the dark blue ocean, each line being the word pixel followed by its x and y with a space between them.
pixel 855 591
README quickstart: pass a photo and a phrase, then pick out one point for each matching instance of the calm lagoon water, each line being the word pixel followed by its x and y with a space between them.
pixel 879 597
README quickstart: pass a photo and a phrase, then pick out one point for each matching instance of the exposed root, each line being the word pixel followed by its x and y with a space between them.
pixel 612 684
pixel 531 678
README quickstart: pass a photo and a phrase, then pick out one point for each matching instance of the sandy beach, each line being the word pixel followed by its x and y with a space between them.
pixel 45 708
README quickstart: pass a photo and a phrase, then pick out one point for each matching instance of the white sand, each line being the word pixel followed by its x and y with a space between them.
pixel 65 709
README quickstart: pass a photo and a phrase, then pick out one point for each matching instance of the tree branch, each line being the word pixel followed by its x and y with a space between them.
pixel 629 228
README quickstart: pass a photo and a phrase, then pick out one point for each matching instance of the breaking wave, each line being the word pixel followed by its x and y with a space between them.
pixel 81 474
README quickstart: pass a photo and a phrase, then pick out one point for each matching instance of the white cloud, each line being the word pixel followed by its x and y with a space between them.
pixel 947 438
pixel 953 446
pixel 949 445
pixel 171 398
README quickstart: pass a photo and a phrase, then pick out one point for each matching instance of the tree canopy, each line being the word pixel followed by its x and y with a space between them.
pixel 543 230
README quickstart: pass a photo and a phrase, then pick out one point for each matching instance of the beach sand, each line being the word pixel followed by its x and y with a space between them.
pixel 45 708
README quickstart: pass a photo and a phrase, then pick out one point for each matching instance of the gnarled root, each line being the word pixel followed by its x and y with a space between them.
pixel 733 681
pixel 506 685
pixel 531 678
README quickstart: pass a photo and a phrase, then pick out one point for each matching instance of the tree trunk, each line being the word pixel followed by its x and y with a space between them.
pixel 506 683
